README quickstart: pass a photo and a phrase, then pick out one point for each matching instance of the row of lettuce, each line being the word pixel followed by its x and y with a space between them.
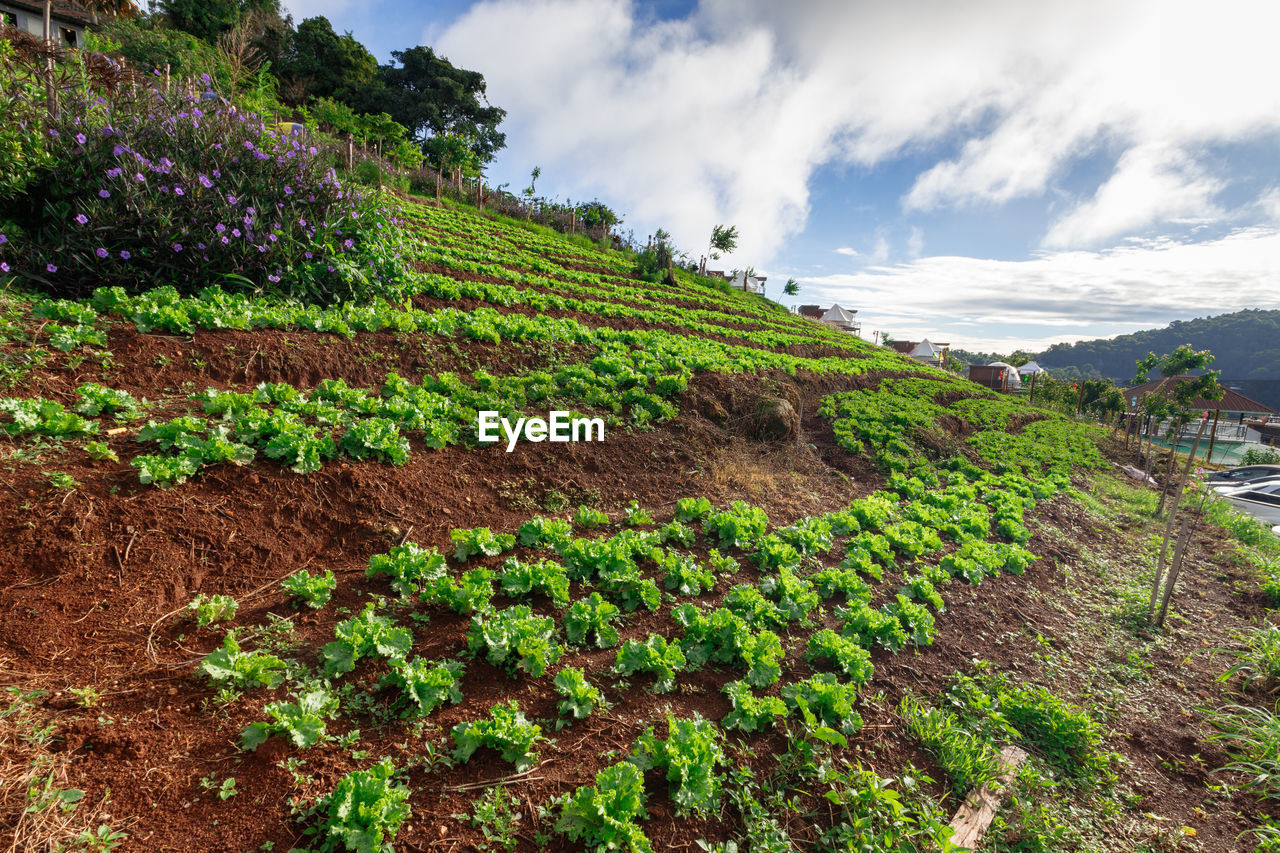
pixel 786 605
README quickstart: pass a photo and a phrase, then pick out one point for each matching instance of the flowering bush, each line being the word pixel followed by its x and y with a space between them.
pixel 143 187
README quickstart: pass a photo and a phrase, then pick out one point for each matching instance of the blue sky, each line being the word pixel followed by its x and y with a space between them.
pixel 995 173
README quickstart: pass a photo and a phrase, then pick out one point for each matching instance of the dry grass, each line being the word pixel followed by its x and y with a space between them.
pixel 40 812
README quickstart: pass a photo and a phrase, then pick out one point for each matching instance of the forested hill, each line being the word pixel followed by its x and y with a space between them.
pixel 1246 346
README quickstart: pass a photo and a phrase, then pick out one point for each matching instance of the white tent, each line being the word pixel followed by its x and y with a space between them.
pixel 1012 378
pixel 925 351
pixel 1030 368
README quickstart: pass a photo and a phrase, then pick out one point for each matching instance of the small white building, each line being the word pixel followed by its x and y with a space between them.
pixel 66 21
pixel 749 283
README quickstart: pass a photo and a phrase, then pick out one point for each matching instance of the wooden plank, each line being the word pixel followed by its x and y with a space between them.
pixel 980 807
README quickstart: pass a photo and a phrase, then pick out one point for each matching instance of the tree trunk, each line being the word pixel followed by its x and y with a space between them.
pixel 48 22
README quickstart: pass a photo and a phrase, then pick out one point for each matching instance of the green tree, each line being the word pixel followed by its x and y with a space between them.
pixel 791 288
pixel 724 239
pixel 1176 402
pixel 431 97
pixel 319 63
pixel 209 19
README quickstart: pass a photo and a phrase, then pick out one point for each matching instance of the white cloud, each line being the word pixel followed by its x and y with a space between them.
pixel 1151 184
pixel 915 243
pixel 979 303
pixel 846 250
pixel 880 252
pixel 724 116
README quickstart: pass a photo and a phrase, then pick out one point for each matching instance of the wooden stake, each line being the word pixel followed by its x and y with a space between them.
pixel 1213 435
pixel 1173 512
pixel 979 809
pixel 1179 551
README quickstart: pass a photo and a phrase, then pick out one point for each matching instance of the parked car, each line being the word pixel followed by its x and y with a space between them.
pixel 1232 488
pixel 1262 502
pixel 1243 474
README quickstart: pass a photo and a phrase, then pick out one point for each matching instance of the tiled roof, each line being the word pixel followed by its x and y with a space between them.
pixel 1231 401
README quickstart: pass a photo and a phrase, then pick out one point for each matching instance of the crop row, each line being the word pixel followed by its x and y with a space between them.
pixel 929 538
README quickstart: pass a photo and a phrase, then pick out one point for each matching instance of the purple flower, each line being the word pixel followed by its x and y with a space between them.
pixel 4 267
pixel 80 138
pixel 103 194
pixel 273 278
pixel 308 254
pixel 164 189
pixel 102 253
pixel 217 174
pixel 219 228
pixel 53 132
pixel 348 242
pixel 231 199
pixel 250 211
pixel 205 182
pixel 113 173
pixel 201 246
pixel 51 267
pixel 124 255
pixel 271 237
pixel 224 239
pixel 261 249
pixel 235 232
pixel 82 219
pixel 3 239
pixel 177 247
pixel 137 176
pixel 288 190
pixel 248 144
pixel 178 191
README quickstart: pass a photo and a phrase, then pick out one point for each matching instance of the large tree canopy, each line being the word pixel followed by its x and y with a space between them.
pixel 431 97
pixel 209 19
pixel 317 62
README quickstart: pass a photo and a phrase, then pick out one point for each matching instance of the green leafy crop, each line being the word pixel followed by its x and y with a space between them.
pixel 302 720
pixel 364 811
pixel 545 577
pixel 229 665
pixel 480 541
pixel 691 754
pixel 581 697
pixel 425 684
pixel 516 638
pixel 851 659
pixel 692 509
pixel 653 655
pixel 208 609
pixel 361 636
pixel 751 713
pixel 410 567
pixel 506 730
pixel 604 816
pixel 313 591
pixel 588 622
pixel 740 526
pixel 828 699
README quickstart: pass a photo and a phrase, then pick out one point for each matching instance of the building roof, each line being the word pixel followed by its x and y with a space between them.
pixel 1031 367
pixel 66 12
pixel 924 349
pixel 1232 401
pixel 814 311
pixel 903 347
pixel 836 314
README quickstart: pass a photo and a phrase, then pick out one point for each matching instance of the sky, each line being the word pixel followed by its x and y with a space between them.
pixel 994 174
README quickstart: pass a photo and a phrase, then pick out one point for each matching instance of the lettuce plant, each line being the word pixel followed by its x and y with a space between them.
pixel 505 729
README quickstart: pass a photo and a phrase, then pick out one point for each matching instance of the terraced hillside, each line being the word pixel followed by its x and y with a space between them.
pixel 263 588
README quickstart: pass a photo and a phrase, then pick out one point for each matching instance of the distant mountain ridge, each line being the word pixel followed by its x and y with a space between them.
pixel 1245 345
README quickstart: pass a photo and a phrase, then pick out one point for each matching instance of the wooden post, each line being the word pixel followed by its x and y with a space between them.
pixel 1173 512
pixel 1080 397
pixel 979 808
pixel 351 153
pixel 1033 388
pixel 573 221
pixel 1179 551
pixel 166 78
pixel 1208 457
